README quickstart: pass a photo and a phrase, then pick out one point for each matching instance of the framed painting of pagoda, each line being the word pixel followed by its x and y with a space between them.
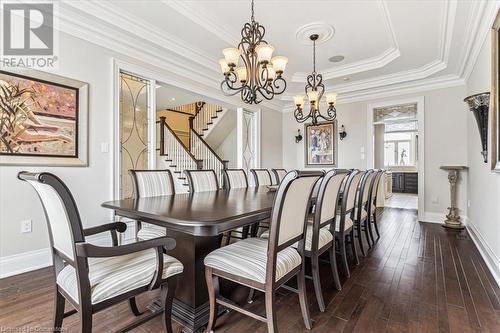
pixel 43 119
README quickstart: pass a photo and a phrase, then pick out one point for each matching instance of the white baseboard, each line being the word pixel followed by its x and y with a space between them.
pixel 25 262
pixel 33 260
pixel 489 257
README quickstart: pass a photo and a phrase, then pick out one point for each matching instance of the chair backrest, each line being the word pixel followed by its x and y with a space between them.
pixel 235 178
pixel 367 185
pixel 375 185
pixel 202 180
pixel 279 174
pixel 289 214
pixel 63 218
pixel 351 188
pixel 261 177
pixel 328 197
pixel 152 183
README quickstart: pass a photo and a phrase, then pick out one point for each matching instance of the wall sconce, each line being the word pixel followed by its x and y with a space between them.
pixel 298 137
pixel 479 105
pixel 342 132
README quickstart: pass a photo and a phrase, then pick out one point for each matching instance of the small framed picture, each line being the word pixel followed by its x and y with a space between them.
pixel 321 145
pixel 43 119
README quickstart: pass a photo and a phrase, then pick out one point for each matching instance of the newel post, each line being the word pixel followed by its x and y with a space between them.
pixel 162 135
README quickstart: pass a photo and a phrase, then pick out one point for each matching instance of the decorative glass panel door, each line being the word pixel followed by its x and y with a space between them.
pixel 134 131
pixel 248 141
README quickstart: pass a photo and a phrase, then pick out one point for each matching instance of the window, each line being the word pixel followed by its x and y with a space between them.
pixel 399 149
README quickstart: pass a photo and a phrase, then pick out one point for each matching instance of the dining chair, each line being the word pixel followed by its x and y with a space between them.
pixel 361 210
pixel 321 229
pixel 344 225
pixel 92 278
pixel 278 174
pixel 261 177
pixel 372 213
pixel 201 180
pixel 151 183
pixel 266 264
pixel 234 178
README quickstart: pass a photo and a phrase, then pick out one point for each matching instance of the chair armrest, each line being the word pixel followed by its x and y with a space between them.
pixel 88 250
pixel 118 226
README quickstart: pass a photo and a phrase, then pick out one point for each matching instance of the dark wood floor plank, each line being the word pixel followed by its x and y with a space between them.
pixel 418 278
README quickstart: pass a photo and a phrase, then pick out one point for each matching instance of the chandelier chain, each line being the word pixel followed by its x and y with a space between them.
pixel 252 18
pixel 314 56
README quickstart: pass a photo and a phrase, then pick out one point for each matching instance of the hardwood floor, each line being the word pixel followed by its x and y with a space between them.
pixel 419 277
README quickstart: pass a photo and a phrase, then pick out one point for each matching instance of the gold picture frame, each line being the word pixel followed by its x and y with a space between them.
pixel 495 95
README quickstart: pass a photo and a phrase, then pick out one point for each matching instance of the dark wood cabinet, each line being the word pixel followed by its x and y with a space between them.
pixel 405 182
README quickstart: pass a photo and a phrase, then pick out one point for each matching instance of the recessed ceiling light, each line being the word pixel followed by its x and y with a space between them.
pixel 337 58
pixel 173 98
pixel 346 79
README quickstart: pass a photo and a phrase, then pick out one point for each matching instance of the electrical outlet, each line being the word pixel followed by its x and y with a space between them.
pixel 26 226
pixel 435 200
pixel 104 147
pixel 468 203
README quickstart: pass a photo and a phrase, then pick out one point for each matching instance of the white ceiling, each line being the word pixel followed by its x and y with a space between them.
pixel 387 44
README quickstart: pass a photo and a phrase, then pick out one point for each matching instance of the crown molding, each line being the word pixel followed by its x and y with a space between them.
pixel 440 82
pixel 480 22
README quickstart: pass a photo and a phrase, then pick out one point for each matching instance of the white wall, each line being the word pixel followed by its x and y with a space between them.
pixel 91 185
pixel 483 185
pixel 227 150
pixel 445 142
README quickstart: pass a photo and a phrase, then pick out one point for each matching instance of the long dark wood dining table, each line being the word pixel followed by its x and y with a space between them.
pixel 197 221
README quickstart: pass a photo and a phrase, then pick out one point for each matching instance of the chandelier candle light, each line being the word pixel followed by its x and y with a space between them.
pixel 260 76
pixel 314 90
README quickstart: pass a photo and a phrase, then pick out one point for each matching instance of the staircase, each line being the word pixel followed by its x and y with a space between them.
pixel 198 155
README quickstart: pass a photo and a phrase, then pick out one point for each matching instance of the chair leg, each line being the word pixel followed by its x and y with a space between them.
pixel 85 321
pixel 272 323
pixel 370 229
pixel 376 225
pixel 360 238
pixel 367 234
pixel 343 255
pixel 133 307
pixel 58 312
pixel 333 264
pixel 226 238
pixel 301 283
pixel 167 296
pixel 317 283
pixel 251 294
pixel 213 293
pixel 353 246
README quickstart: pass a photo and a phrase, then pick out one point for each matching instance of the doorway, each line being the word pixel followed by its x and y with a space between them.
pixel 396 144
pixel 248 140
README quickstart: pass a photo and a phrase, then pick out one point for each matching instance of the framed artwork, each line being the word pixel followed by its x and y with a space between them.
pixel 321 144
pixel 43 119
pixel 495 95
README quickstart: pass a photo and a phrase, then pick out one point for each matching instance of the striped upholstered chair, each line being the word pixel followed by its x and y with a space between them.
pixel 93 278
pixel 151 183
pixel 279 174
pixel 360 216
pixel 372 213
pixel 266 264
pixel 261 177
pixel 202 180
pixel 234 178
pixel 344 225
pixel 321 229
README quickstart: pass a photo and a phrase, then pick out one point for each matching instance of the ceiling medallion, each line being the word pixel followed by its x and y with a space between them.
pixel 314 90
pixel 260 77
pixel 324 31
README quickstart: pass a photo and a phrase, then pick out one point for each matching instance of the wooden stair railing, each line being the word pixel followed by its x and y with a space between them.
pixel 202 150
pixel 204 116
pixel 177 156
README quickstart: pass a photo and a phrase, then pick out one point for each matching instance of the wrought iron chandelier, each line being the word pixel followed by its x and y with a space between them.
pixel 261 74
pixel 314 90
